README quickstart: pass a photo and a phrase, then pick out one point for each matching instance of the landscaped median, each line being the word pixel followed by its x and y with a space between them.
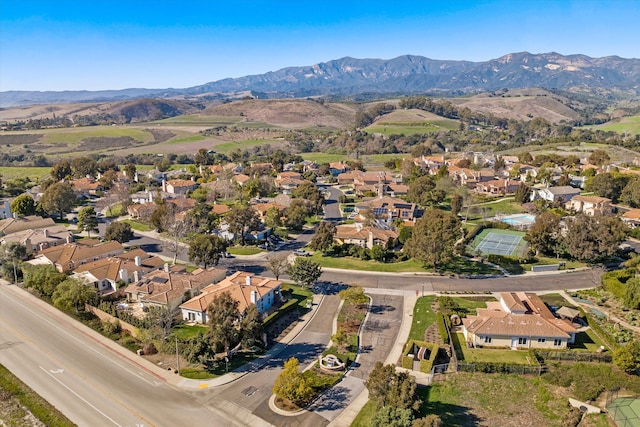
pixel 295 389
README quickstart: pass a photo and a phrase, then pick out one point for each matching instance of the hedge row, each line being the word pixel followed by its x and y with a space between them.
pixel 426 364
pixel 600 332
pixel 442 328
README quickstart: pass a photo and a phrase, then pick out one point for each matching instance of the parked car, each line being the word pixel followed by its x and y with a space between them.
pixel 300 252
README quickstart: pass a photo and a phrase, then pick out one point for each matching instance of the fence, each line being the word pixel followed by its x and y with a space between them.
pixel 106 317
pixel 501 368
pixel 575 356
pixel 538 268
pixel 625 411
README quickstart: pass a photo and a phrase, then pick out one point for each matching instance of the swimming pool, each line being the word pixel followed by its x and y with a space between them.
pixel 519 220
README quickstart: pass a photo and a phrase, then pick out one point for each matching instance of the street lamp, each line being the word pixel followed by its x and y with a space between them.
pixel 177 357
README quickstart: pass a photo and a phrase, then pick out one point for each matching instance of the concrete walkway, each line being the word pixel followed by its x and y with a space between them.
pixel 587 307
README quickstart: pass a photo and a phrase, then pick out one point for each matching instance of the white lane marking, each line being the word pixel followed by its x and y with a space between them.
pixel 154 383
pixel 80 397
pixel 56 371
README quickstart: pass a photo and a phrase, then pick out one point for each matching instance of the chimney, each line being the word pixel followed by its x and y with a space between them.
pixel 136 276
pixel 138 261
pixel 254 297
pixel 247 280
pixel 164 185
pixel 45 232
pixel 124 275
pixel 69 239
pixel 166 267
pixel 370 240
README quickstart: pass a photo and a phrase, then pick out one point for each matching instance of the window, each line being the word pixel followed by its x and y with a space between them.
pixel 522 341
pixel 541 340
pixel 487 340
pixel 192 316
pixel 557 342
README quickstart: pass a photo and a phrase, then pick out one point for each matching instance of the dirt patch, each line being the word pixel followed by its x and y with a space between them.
pixel 105 142
pixel 19 139
pixel 160 135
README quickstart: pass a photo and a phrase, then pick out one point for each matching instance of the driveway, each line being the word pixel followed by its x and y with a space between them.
pixel 252 392
pixel 379 333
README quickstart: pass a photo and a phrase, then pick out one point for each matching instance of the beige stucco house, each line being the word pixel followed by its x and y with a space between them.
pixel 519 321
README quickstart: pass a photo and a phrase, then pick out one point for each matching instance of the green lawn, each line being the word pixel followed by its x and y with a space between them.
pixel 69 136
pixel 8 173
pixel 423 317
pixel 491 209
pixel 200 120
pixel 244 250
pixel 228 147
pixel 629 125
pixel 192 138
pixel 470 355
pixel 587 341
pixel 139 226
pixel 351 263
pixel 189 331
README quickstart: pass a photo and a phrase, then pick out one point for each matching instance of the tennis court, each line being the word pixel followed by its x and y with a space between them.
pixel 625 411
pixel 500 242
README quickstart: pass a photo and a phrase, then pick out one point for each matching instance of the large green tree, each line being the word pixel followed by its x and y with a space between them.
pixel 73 294
pixel 61 170
pixel 304 271
pixel 206 249
pixel 43 278
pixel 323 238
pixel 291 384
pixel 627 357
pixel 87 220
pixel 631 193
pixel 23 205
pixel 433 238
pixel 388 416
pixel 608 184
pixel 544 234
pixel 242 220
pixel 223 318
pixel 119 231
pixel 58 199
pixel 593 238
pixel 390 388
pixel 251 326
pixel 11 255
pixel 309 192
pixel 423 191
pixel 296 214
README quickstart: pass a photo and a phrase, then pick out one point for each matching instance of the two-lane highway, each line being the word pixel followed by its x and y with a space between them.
pixel 70 367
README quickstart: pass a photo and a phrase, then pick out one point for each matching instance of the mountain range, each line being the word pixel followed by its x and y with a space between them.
pixel 406 74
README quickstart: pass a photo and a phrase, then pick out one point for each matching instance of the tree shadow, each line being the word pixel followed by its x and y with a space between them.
pixel 304 352
pixel 335 398
pixel 151 247
pixel 380 309
pixel 450 414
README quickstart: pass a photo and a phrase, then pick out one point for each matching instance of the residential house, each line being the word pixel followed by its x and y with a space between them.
pixel 430 164
pixel 469 178
pixel 390 208
pixel 169 287
pixel 104 274
pixel 69 256
pixel 142 197
pixel 631 218
pixel 590 205
pixel 86 187
pixel 336 168
pixel 178 186
pixel 520 321
pixel 262 208
pixel 143 211
pixel 366 237
pixel 288 181
pixel 240 178
pixel 40 238
pixel 498 186
pixel 560 194
pixel 244 287
pixel 30 222
pixel 5 209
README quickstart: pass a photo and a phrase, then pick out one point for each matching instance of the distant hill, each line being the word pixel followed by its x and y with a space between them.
pixel 406 74
pixel 137 110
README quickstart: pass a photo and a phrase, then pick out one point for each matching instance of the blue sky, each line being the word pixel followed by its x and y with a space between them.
pixel 97 44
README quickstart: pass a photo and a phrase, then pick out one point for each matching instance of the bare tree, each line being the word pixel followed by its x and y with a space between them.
pixel 277 264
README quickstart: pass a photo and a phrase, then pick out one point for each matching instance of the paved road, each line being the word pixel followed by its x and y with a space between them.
pixel 254 390
pixel 68 366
